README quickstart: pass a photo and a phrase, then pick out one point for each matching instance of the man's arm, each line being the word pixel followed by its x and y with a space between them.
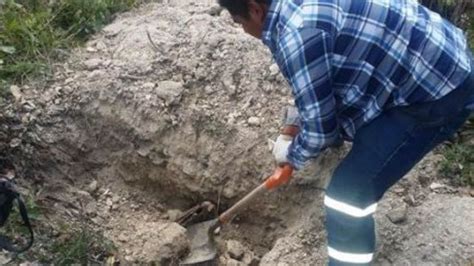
pixel 304 57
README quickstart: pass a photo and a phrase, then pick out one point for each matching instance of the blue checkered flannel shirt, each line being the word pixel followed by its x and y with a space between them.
pixel 348 60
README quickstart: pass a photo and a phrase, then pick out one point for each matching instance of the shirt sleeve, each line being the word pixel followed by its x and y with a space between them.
pixel 304 56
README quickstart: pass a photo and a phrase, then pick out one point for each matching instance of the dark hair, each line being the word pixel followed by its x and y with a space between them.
pixel 240 7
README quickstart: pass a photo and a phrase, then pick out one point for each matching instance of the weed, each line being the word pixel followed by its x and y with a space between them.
pixel 82 247
pixel 33 32
pixel 459 163
pixel 453 10
pixel 14 228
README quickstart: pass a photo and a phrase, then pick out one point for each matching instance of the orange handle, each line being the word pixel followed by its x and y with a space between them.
pixel 280 177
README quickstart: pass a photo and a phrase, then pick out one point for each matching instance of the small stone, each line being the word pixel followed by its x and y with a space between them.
pixel 235 249
pixel 254 121
pixel 92 187
pixel 83 193
pixel 116 199
pixel 15 142
pixel 436 186
pixel 93 64
pixel 109 202
pixel 274 70
pixel 170 91
pixel 173 215
pixel 123 237
pixel 398 215
pixel 91 208
pixel 101 46
pixel 96 74
pixel 16 92
pixel 215 10
pixel 399 191
pixel 91 49
pixel 148 85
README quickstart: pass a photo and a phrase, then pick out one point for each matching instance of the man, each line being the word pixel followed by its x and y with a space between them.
pixel 390 76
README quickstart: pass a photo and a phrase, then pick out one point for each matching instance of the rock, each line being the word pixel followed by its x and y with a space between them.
pixel 84 194
pixel 274 70
pixel 109 202
pixel 123 237
pixel 235 249
pixel 91 49
pixel 16 92
pixel 91 208
pixel 92 187
pixel 116 199
pixel 164 243
pixel 215 10
pixel 254 121
pixel 15 142
pixel 101 46
pixel 93 64
pixel 435 186
pixel 173 215
pixel 169 91
pixel 149 85
pixel 95 74
pixel 5 259
pixel 398 215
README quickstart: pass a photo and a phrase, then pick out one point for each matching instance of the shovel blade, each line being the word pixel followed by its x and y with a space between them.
pixel 203 247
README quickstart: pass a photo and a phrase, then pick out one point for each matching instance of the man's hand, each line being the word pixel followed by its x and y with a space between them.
pixel 280 148
pixel 289 130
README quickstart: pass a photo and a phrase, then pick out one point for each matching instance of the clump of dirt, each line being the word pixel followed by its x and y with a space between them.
pixel 172 104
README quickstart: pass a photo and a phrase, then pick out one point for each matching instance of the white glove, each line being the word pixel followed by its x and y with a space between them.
pixel 280 148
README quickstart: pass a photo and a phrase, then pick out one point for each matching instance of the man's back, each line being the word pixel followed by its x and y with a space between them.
pixel 381 53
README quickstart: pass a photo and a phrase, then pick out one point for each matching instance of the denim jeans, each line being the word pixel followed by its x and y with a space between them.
pixel 383 152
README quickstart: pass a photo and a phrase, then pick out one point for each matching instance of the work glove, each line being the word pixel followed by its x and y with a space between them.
pixel 280 148
pixel 289 130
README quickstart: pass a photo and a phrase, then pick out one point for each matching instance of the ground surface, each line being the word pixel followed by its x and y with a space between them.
pixel 172 104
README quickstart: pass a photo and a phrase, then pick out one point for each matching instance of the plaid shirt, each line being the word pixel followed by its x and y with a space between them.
pixel 347 61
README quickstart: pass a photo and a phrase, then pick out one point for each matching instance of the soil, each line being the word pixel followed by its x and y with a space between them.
pixel 172 104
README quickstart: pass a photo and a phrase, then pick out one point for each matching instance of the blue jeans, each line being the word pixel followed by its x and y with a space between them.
pixel 383 152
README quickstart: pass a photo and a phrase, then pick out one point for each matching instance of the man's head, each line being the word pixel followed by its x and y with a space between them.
pixel 250 14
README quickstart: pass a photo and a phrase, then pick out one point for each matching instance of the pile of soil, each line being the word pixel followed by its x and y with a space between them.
pixel 172 104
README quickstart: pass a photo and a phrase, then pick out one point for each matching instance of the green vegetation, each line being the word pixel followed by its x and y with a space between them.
pixel 459 163
pixel 453 10
pixel 74 245
pixel 34 32
pixel 14 228
pixel 83 247
pixel 459 155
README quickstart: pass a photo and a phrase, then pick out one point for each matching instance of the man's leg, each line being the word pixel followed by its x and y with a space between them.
pixel 382 153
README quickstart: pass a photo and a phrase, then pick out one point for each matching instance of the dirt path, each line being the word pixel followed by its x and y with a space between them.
pixel 171 105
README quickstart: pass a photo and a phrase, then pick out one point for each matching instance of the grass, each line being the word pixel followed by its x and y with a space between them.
pixel 453 10
pixel 75 245
pixel 14 228
pixel 82 247
pixel 459 163
pixel 35 32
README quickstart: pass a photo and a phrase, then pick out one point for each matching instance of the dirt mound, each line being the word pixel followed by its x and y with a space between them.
pixel 438 232
pixel 171 104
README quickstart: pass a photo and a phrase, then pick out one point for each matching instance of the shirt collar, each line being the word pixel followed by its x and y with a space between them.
pixel 271 22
